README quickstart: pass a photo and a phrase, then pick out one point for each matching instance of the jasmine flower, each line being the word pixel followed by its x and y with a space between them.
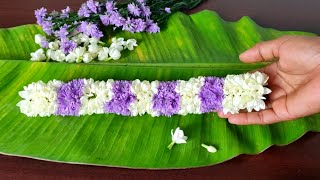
pixel 178 137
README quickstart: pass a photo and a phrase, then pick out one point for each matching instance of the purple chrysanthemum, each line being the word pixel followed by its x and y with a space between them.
pixel 67 46
pixel 47 27
pixel 116 19
pixel 63 32
pixel 105 19
pixel 134 9
pixel 141 1
pixel 69 96
pixel 121 99
pixel 134 25
pixel 84 11
pixel 65 12
pixel 152 27
pixel 90 29
pixel 40 15
pixel 93 6
pixel 111 6
pixel 211 94
pixel 145 10
pixel 167 100
pixel 167 10
pixel 44 44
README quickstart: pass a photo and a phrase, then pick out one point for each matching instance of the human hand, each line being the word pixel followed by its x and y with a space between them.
pixel 294 79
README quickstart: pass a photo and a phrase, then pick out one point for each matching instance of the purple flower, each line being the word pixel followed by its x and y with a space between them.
pixel 110 6
pixel 67 46
pixel 47 27
pixel 167 100
pixel 145 11
pixel 63 32
pixel 152 27
pixel 139 25
pixel 90 29
pixel 65 12
pixel 40 15
pixel 44 44
pixel 134 9
pixel 211 94
pixel 121 99
pixel 93 6
pixel 167 10
pixel 68 99
pixel 116 19
pixel 105 19
pixel 84 11
pixel 141 1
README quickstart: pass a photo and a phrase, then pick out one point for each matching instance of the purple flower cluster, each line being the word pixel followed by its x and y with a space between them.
pixel 167 101
pixel 211 94
pixel 69 96
pixel 90 29
pixel 121 99
pixel 88 8
pixel 44 20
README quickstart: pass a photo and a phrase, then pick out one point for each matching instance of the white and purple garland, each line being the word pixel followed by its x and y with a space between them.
pixel 131 98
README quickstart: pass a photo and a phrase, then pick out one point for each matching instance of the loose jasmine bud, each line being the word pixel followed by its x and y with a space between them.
pixel 211 149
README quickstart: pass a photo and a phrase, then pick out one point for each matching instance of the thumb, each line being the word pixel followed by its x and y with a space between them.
pixel 264 51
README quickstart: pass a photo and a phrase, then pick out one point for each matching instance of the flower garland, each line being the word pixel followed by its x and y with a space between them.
pixel 75 36
pixel 132 98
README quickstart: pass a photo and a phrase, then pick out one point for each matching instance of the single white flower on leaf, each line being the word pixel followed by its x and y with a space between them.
pixel 130 44
pixel 38 55
pixel 211 149
pixel 178 137
pixel 114 53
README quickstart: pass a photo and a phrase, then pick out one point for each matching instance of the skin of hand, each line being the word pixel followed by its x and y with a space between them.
pixel 294 79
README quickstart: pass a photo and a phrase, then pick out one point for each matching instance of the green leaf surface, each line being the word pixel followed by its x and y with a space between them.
pixel 200 44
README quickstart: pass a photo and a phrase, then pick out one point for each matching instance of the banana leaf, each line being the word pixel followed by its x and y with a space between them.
pixel 200 44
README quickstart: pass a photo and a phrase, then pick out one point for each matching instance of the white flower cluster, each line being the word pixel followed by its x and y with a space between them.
pixel 144 92
pixel 86 51
pixel 95 95
pixel 245 91
pixel 189 95
pixel 39 99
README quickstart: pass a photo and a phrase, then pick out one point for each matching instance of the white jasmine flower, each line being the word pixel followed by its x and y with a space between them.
pixel 54 45
pixel 117 44
pixel 84 39
pixel 93 40
pixel 130 44
pixel 178 137
pixel 71 58
pixel 94 48
pixel 38 55
pixel 211 149
pixel 38 38
pixel 78 53
pixel 58 56
pixel 39 99
pixel 114 53
pixel 95 95
pixel 87 57
pixel 245 91
pixel 103 54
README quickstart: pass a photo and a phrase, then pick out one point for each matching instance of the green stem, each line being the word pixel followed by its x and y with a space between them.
pixel 171 145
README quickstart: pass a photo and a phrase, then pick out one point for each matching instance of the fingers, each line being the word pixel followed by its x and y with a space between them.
pixel 264 51
pixel 267 116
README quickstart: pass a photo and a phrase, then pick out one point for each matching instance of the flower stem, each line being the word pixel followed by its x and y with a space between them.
pixel 171 145
pixel 205 146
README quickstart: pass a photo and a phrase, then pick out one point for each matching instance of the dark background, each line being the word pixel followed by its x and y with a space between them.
pixel 299 159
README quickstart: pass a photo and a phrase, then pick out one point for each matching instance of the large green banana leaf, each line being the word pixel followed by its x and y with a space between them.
pixel 200 44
